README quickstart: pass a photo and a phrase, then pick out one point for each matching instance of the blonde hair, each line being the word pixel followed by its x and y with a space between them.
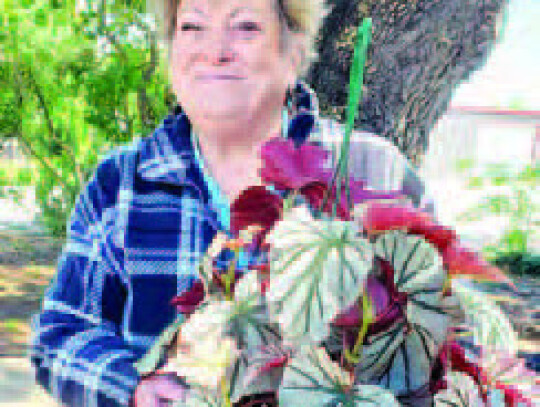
pixel 296 16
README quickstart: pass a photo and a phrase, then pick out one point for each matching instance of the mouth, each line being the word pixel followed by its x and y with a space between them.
pixel 219 77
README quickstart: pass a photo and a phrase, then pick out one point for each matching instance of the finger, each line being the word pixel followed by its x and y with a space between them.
pixel 168 388
pixel 146 398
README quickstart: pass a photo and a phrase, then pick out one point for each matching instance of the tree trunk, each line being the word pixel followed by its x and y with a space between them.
pixel 421 50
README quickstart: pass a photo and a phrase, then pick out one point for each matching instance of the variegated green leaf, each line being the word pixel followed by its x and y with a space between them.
pixel 397 360
pixel 203 352
pixel 250 324
pixel 490 326
pixel 401 357
pixel 318 268
pixel 217 330
pixel 416 263
pixel 255 371
pixel 200 397
pixel 461 392
pixel 245 319
pixel 312 379
pixel 151 360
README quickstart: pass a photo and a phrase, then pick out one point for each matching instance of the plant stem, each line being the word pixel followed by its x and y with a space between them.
pixel 367 319
pixel 231 274
pixel 225 391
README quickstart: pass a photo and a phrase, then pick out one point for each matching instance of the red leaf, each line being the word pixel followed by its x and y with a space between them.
pixel 381 217
pixel 315 192
pixel 512 395
pixel 439 236
pixel 289 167
pixel 187 302
pixel 255 206
pixel 263 271
pixel 277 362
pixel 384 217
pixel 388 309
pixel 464 262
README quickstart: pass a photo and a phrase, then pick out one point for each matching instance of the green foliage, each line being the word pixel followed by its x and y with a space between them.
pixel 74 84
pixel 320 268
pixel 312 379
pixel 461 391
pixel 491 328
pixel 401 356
pixel 519 263
pixel 515 195
pixel 16 176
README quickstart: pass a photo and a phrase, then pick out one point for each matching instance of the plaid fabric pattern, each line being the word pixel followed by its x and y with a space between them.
pixel 136 235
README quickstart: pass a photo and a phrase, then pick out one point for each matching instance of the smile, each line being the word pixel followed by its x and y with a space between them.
pixel 219 77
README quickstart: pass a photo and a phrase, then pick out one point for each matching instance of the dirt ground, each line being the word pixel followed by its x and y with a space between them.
pixel 27 264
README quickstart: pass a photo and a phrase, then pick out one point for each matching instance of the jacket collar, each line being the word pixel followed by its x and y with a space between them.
pixel 167 156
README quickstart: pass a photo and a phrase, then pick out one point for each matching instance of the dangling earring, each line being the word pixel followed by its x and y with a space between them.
pixel 287 106
pixel 289 98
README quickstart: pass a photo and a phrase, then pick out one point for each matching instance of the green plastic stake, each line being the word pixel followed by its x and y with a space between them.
pixel 356 82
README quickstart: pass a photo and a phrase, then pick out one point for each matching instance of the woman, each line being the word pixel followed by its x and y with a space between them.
pixel 141 224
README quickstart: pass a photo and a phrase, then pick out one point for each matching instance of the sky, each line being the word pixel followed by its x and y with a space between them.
pixel 511 76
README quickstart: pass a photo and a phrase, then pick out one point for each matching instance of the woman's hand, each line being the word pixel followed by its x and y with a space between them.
pixel 159 390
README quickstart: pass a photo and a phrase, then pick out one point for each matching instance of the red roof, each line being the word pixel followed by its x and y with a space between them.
pixel 493 111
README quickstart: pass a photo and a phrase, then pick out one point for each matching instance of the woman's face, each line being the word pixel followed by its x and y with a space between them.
pixel 227 64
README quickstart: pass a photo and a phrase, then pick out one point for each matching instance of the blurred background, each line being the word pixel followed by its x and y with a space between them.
pixel 454 84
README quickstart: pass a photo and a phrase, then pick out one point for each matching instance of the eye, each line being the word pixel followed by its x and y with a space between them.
pixel 249 26
pixel 191 27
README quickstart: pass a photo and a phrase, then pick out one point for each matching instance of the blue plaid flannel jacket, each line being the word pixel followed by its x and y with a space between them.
pixel 135 238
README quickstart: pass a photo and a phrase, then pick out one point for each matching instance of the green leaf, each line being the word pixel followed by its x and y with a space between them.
pixel 461 392
pixel 476 182
pixel 515 240
pixel 250 375
pixel 249 323
pixel 465 164
pixel 491 328
pixel 416 263
pixel 203 352
pixel 318 269
pixel 151 360
pixel 201 397
pixel 312 379
pixel 529 175
pixel 400 358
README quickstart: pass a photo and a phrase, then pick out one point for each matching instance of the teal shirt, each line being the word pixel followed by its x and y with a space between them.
pixel 218 199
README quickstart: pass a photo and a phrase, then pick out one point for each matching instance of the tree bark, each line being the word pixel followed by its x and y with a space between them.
pixel 421 50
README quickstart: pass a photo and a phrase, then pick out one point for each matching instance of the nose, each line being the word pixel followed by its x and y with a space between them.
pixel 219 49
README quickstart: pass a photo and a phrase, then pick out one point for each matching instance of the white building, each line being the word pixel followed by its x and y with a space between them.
pixel 482 137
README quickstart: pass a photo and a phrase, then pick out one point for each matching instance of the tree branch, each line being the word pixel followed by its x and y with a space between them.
pixel 50 126
pixel 43 160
